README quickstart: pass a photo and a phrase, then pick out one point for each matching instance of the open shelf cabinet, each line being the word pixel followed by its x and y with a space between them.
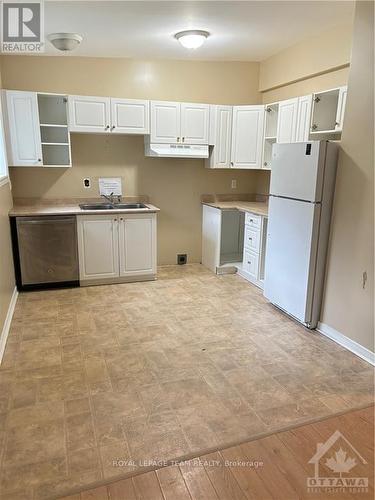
pixel 54 132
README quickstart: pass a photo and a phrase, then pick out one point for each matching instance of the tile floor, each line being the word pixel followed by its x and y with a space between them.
pixel 97 381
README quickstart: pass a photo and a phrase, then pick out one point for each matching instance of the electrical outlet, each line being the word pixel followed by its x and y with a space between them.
pixel 181 258
pixel 234 184
pixel 87 183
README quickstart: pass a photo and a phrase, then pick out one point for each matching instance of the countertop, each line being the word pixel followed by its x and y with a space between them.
pixel 24 207
pixel 255 207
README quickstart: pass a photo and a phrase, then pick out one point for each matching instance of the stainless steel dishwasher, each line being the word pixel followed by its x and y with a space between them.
pixel 47 251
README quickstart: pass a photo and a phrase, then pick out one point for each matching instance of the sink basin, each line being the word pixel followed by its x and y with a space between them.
pixel 108 206
pixel 96 206
pixel 129 205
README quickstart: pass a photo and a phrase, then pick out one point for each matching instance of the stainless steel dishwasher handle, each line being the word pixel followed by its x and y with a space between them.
pixel 48 221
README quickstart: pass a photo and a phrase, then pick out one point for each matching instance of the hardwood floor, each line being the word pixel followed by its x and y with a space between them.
pixel 275 467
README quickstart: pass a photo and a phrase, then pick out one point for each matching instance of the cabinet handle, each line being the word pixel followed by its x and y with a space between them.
pixel 113 127
pixel 231 163
pixel 107 127
pixel 39 160
pixel 251 239
pixel 249 261
pixel 178 139
pixel 183 139
pixel 314 127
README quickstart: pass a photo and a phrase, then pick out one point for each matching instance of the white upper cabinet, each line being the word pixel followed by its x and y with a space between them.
pixel 174 122
pixel 129 116
pixel 328 111
pixel 303 118
pixel 194 123
pixel 287 120
pixel 247 136
pixel 23 135
pixel 137 244
pixel 103 115
pixel 165 122
pixel 343 92
pixel 89 114
pixel 220 136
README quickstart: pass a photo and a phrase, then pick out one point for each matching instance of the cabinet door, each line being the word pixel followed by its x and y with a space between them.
pixel 129 116
pixel 137 233
pixel 287 120
pixel 194 123
pixel 247 136
pixel 89 114
pixel 165 122
pixel 98 247
pixel 23 129
pixel 341 108
pixel 221 136
pixel 303 118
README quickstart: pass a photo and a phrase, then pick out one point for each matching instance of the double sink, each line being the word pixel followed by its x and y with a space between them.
pixel 111 206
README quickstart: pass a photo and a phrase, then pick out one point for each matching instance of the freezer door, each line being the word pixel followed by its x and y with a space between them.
pixel 291 255
pixel 298 170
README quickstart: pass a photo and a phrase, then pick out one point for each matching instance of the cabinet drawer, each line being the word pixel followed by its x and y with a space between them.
pixel 252 238
pixel 250 263
pixel 252 219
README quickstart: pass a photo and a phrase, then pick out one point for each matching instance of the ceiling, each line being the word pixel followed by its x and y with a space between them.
pixel 240 30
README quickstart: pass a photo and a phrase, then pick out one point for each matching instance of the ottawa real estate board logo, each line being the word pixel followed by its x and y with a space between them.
pixel 22 27
pixel 338 467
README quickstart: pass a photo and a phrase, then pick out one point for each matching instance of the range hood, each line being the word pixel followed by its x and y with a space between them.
pixel 176 150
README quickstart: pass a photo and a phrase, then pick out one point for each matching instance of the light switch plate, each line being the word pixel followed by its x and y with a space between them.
pixel 234 184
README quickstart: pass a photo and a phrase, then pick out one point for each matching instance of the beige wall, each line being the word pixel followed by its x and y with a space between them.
pixel 348 307
pixel 308 85
pixel 6 259
pixel 313 56
pixel 209 82
pixel 173 185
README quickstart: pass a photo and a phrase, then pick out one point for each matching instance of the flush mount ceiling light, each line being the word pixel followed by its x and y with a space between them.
pixel 192 39
pixel 65 41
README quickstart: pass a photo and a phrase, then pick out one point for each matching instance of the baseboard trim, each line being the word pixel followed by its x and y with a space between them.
pixel 7 322
pixel 346 342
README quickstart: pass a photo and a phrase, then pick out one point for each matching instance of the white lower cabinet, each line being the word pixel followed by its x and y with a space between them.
pixel 137 239
pixel 234 241
pixel 251 263
pixel 254 248
pixel 98 247
pixel 115 248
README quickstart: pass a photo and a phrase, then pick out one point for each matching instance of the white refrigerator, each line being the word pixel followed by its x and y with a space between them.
pixel 300 205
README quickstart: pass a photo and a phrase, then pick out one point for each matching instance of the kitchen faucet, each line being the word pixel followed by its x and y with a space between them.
pixel 110 198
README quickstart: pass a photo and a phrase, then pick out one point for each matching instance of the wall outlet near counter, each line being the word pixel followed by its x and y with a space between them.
pixel 234 184
pixel 87 183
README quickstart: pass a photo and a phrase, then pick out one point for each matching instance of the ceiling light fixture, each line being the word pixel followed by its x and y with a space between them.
pixel 65 41
pixel 192 39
